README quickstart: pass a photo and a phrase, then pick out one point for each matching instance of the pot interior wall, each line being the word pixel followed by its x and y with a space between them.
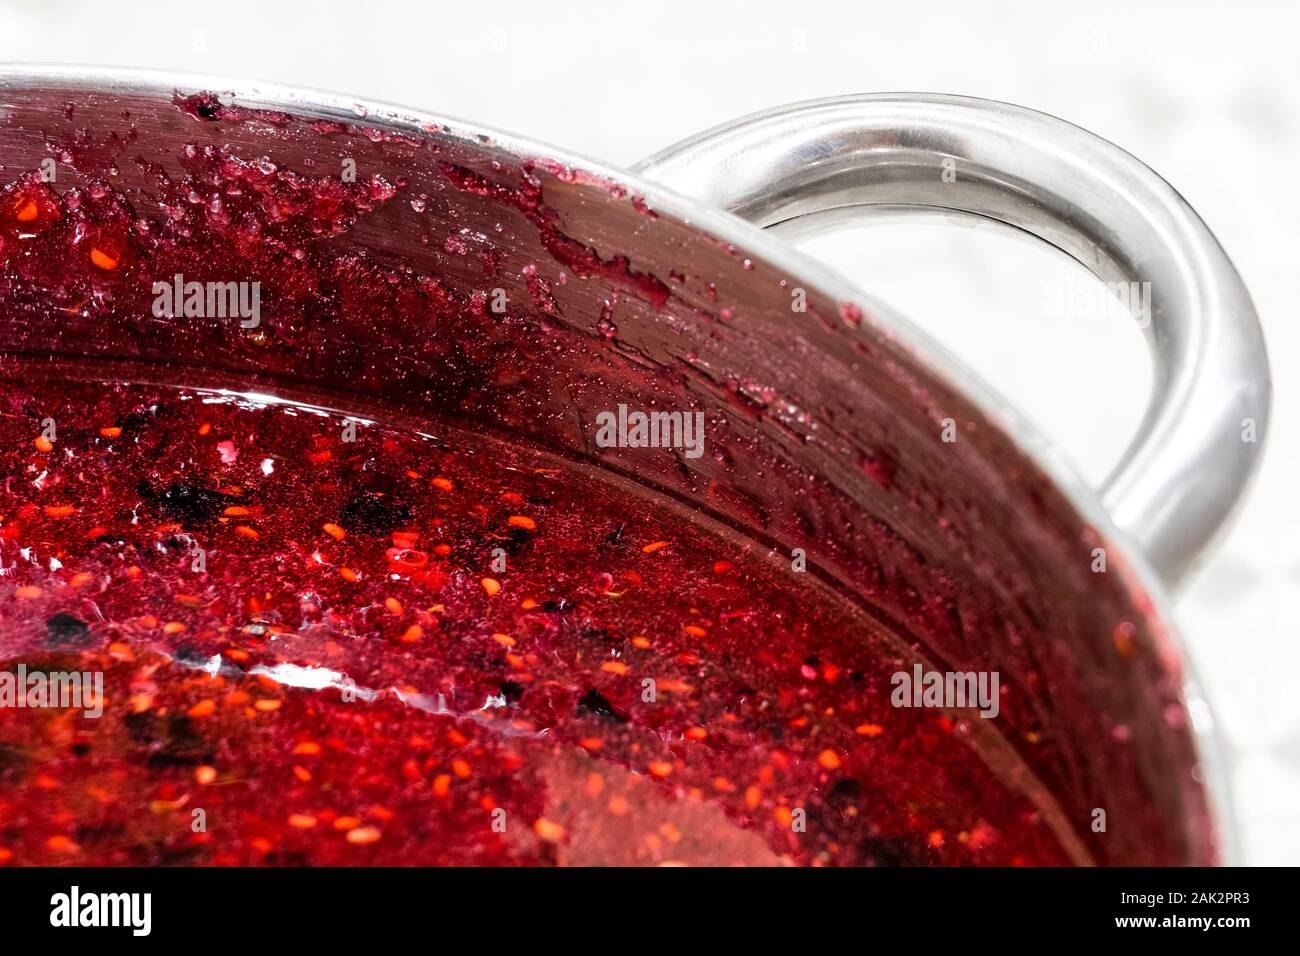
pixel 821 432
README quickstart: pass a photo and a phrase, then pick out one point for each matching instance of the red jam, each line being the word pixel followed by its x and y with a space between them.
pixel 338 640
pixel 366 569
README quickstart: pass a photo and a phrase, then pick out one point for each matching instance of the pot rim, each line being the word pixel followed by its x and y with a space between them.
pixel 931 357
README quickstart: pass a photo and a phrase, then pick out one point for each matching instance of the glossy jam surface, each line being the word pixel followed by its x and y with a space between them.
pixel 385 639
pixel 309 646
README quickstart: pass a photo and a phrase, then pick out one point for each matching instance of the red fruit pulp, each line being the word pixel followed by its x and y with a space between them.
pixel 383 639
pixel 372 561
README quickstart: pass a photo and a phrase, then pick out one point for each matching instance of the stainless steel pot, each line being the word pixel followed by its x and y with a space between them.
pixel 829 424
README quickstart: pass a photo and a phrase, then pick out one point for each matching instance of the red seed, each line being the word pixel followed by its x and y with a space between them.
pixel 829 759
pixel 103 260
pixel 363 835
pixel 548 830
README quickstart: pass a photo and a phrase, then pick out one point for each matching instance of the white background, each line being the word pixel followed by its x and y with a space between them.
pixel 1207 93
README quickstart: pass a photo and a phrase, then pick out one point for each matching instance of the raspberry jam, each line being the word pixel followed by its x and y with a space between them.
pixel 334 630
pixel 364 569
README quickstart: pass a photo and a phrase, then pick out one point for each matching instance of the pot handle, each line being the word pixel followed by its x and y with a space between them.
pixel 1198 445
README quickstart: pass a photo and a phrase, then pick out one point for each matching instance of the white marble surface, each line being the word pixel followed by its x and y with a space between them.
pixel 1208 93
